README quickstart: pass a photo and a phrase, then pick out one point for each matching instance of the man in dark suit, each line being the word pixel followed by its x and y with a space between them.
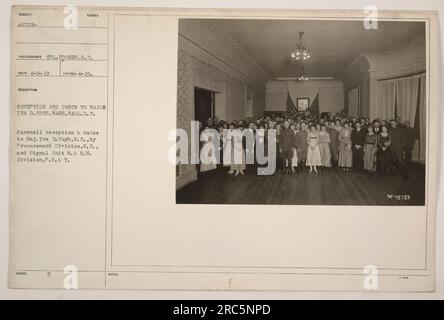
pixel 302 146
pixel 334 143
pixel 358 142
pixel 287 141
pixel 376 126
pixel 364 124
pixel 377 130
pixel 398 146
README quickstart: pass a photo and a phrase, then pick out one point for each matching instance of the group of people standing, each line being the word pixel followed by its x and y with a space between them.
pixel 345 144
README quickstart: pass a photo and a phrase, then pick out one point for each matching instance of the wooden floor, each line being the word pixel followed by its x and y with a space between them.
pixel 329 187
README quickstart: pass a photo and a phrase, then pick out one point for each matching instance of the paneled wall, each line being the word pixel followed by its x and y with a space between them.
pixel 208 58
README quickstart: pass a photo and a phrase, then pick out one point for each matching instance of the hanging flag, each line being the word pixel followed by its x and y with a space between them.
pixel 291 108
pixel 314 107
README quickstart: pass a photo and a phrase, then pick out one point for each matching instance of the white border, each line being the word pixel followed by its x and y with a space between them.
pixel 4 139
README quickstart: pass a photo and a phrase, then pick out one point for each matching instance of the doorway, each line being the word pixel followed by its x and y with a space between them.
pixel 203 105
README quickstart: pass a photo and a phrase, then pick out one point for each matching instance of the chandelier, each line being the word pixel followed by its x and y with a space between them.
pixel 301 52
pixel 302 76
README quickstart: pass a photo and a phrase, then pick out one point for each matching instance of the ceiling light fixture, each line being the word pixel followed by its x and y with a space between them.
pixel 302 76
pixel 301 53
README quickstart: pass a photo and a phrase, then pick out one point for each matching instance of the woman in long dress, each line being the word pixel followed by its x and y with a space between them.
pixel 313 152
pixel 236 152
pixel 324 147
pixel 345 148
pixel 208 152
pixel 294 160
pixel 385 154
pixel 261 143
pixel 221 147
pixel 370 150
pixel 280 165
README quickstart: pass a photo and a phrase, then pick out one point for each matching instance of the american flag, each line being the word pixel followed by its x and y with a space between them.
pixel 291 108
pixel 314 107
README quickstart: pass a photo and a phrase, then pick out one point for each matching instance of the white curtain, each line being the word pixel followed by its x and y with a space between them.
pixel 387 99
pixel 353 102
pixel 404 94
pixel 422 118
pixel 407 98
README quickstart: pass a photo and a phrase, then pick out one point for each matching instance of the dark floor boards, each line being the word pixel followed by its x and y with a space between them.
pixel 329 187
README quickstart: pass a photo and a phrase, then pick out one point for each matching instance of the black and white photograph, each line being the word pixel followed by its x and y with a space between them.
pixel 302 112
pixel 222 153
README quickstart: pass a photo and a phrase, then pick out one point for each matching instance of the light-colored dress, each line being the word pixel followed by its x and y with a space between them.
pixel 370 152
pixel 294 160
pixel 345 151
pixel 313 152
pixel 208 153
pixel 233 151
pixel 324 147
pixel 237 154
pixel 238 166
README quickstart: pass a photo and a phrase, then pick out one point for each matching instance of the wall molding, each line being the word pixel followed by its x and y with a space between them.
pixel 204 55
